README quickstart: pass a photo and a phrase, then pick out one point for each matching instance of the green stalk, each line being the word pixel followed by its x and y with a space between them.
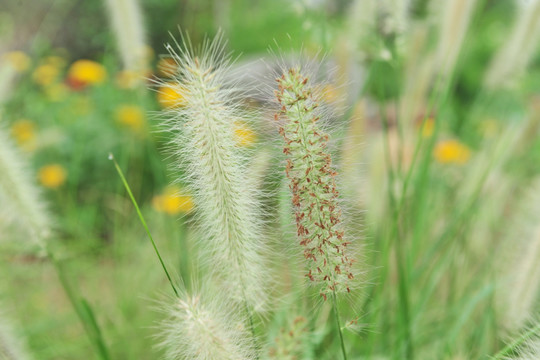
pixel 143 222
pixel 82 309
pixel 338 323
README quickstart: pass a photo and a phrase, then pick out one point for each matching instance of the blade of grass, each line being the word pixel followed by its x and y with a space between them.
pixel 143 222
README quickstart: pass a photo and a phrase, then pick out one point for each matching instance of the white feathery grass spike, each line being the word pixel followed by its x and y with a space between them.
pixel 515 55
pixel 11 346
pixel 519 271
pixel 128 25
pixel 205 329
pixel 20 199
pixel 228 212
pixel 455 18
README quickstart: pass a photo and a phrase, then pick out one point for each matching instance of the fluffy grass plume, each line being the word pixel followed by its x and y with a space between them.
pixel 128 25
pixel 205 329
pixel 455 17
pixel 514 56
pixel 520 274
pixel 228 213
pixel 312 182
pixel 20 198
pixel 11 346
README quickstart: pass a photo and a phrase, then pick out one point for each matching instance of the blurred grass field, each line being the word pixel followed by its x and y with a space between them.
pixel 436 195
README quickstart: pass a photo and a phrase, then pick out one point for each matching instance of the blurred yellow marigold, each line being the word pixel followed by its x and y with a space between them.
pixel 169 96
pixel 244 135
pixel 131 116
pixel 173 201
pixel 45 74
pixel 24 132
pixel 452 152
pixel 52 176
pixel 87 72
pixel 19 60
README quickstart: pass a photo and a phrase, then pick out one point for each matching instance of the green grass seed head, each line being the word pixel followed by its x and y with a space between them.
pixel 312 182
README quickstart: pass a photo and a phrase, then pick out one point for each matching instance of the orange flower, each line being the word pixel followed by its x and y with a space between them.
pixel 451 152
pixel 52 176
pixel 169 96
pixel 167 66
pixel 173 201
pixel 86 72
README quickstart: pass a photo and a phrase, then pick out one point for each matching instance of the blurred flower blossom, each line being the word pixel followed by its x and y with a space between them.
pixel 166 67
pixel 19 60
pixel 24 132
pixel 52 176
pixel 173 201
pixel 46 74
pixel 451 152
pixel 244 135
pixel 169 96
pixel 131 116
pixel 85 72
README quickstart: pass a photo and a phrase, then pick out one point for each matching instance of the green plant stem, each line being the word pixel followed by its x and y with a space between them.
pixel 338 322
pixel 143 222
pixel 252 328
pixel 82 309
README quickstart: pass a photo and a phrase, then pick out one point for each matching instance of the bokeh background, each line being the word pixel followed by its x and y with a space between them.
pixel 69 98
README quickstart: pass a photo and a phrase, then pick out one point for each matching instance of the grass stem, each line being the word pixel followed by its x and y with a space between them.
pixel 143 222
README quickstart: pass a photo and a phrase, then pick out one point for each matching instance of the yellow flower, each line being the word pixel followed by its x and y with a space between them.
pixel 130 116
pixel 169 96
pixel 173 201
pixel 24 133
pixel 451 152
pixel 428 128
pixel 87 72
pixel 46 74
pixel 52 176
pixel 19 60
pixel 244 135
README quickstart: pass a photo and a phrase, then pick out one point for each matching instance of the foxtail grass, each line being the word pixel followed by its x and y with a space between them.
pixel 128 24
pixel 205 327
pixel 314 193
pixel 228 214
